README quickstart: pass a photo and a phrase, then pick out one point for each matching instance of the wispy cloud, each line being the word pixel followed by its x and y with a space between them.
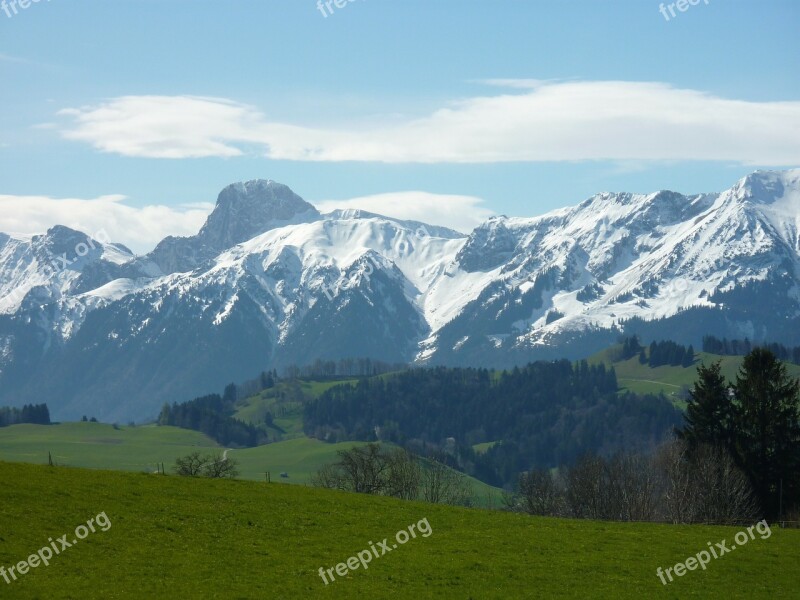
pixel 462 213
pixel 535 122
pixel 7 58
pixel 139 228
pixel 13 59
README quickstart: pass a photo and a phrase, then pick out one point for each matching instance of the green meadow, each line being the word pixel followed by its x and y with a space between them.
pixel 668 379
pixel 144 447
pixel 173 537
pixel 141 448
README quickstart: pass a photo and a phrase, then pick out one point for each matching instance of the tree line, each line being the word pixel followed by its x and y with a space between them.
pixel 728 347
pixel 672 484
pixel 755 419
pixel 378 470
pixel 212 415
pixel 37 414
pixel 736 458
pixel 544 414
pixel 345 367
pixel 658 354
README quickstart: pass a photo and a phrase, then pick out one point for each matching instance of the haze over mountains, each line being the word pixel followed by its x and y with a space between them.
pixel 269 281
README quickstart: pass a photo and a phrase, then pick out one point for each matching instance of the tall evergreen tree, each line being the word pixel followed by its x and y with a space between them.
pixel 688 358
pixel 710 412
pixel 768 429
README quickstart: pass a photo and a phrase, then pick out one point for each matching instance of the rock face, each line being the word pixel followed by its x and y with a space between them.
pixel 243 211
pixel 269 282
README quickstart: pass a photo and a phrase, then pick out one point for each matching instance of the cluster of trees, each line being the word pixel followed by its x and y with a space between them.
pixel 737 457
pixel 668 353
pixel 671 484
pixel 658 353
pixel 728 347
pixel 756 421
pixel 212 415
pixel 345 367
pixel 37 414
pixel 375 469
pixel 215 465
pixel 546 414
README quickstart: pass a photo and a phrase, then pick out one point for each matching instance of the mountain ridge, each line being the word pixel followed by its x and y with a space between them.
pixel 269 281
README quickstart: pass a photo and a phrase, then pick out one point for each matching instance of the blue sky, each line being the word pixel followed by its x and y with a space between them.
pixel 132 115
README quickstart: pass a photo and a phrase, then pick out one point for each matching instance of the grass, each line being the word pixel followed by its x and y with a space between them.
pixel 481 448
pixel 101 446
pixel 172 537
pixel 285 402
pixel 300 458
pixel 141 448
pixel 667 379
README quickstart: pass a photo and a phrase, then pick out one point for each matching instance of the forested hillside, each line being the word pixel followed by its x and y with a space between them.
pixel 543 415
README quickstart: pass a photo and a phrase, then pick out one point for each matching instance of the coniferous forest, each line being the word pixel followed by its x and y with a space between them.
pixel 546 414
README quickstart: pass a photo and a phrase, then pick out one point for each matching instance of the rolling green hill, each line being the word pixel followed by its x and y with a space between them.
pixel 100 446
pixel 671 380
pixel 172 537
pixel 141 448
pixel 285 403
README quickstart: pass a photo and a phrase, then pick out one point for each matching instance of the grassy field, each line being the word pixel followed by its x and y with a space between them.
pixel 670 380
pixel 141 448
pixel 285 402
pixel 483 447
pixel 101 446
pixel 172 537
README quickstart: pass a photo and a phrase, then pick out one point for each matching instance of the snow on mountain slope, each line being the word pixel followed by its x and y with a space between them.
pixel 51 264
pixel 268 281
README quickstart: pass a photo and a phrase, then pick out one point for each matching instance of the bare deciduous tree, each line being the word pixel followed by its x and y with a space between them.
pixel 211 465
pixel 702 484
pixel 372 469
pixel 539 493
pixel 218 466
pixel 404 475
pixel 442 485
pixel 584 488
pixel 190 465
pixel 676 487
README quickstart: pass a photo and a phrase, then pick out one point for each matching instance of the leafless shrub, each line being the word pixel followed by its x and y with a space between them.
pixel 190 465
pixel 702 484
pixel 211 465
pixel 539 492
pixel 218 466
pixel 442 485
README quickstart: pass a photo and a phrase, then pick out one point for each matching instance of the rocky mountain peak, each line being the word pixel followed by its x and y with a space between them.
pixel 246 209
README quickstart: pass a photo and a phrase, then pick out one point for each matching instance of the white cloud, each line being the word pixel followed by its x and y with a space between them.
pixel 166 127
pixel 138 228
pixel 534 121
pixel 462 213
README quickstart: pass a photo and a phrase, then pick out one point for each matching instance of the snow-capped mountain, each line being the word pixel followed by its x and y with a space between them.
pixel 268 282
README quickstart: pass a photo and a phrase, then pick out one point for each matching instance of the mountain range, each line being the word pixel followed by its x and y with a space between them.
pixel 91 328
